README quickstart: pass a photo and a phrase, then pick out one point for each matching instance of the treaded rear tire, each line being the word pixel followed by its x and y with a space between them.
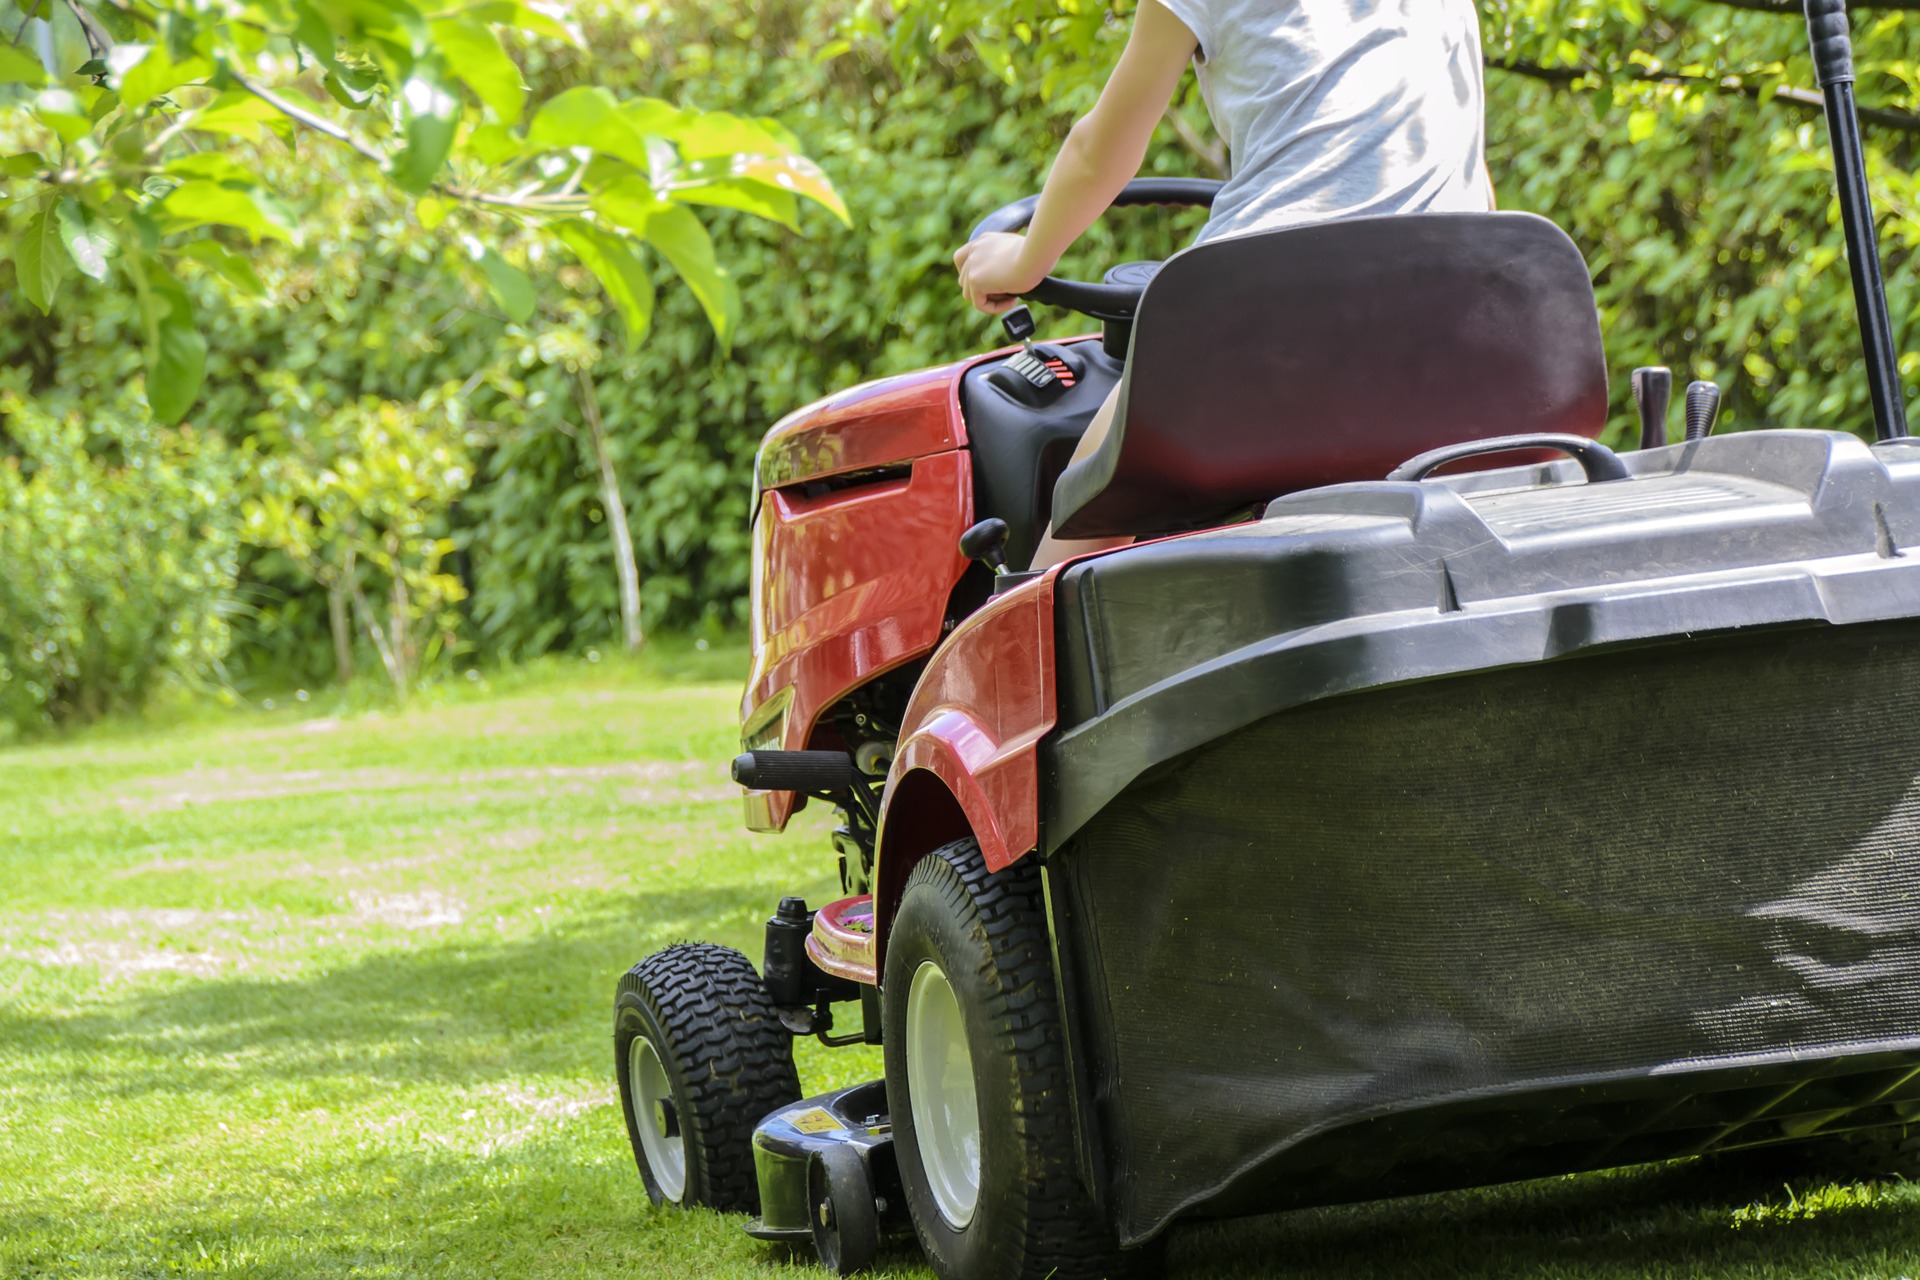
pixel 727 1058
pixel 988 935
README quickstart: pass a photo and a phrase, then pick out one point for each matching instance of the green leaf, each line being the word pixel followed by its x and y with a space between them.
pixel 629 202
pixel 38 257
pixel 539 19
pixel 793 175
pixel 717 133
pixel 200 202
pixel 69 126
pixel 432 211
pixel 177 32
pixel 620 272
pixel 510 285
pixel 432 115
pixel 348 97
pixel 229 266
pixel 18 66
pixel 476 56
pixel 176 353
pixel 492 144
pixel 684 242
pixel 217 166
pixel 25 164
pixel 748 197
pixel 237 115
pixel 589 117
pixel 88 241
pixel 156 75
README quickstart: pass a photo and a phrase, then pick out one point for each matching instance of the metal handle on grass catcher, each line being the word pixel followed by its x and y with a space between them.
pixel 1599 462
pixel 1830 35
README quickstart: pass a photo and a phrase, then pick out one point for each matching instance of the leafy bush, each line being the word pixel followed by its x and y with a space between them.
pixel 361 492
pixel 117 559
pixel 1704 204
pixel 919 160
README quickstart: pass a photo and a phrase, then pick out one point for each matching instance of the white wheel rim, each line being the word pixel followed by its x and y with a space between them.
pixel 657 1119
pixel 946 1113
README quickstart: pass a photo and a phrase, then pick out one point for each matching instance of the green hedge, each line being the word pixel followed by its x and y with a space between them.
pixel 1707 216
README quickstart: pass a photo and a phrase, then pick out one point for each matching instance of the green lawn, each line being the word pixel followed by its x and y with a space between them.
pixel 289 994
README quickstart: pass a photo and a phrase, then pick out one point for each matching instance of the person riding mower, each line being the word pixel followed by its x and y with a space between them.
pixel 1412 793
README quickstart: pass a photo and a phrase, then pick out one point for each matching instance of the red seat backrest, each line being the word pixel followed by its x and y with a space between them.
pixel 1270 363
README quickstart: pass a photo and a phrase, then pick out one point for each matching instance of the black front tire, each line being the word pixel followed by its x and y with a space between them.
pixel 988 936
pixel 701 1013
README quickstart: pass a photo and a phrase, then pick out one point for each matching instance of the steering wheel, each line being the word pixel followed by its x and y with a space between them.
pixel 1119 297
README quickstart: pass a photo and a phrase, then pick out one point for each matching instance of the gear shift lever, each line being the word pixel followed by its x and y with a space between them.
pixel 987 543
pixel 1652 393
pixel 1703 410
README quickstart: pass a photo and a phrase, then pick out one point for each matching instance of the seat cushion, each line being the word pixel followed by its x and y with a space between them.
pixel 1270 363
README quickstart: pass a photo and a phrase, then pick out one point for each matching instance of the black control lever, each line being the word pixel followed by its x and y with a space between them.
pixel 1703 410
pixel 1019 325
pixel 1652 394
pixel 987 543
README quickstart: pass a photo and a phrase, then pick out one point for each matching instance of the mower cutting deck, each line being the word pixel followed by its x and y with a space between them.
pixel 1430 797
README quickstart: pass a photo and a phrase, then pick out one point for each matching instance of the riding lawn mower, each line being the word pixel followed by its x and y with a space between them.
pixel 1428 797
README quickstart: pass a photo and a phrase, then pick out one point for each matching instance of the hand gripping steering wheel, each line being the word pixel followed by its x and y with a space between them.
pixel 1119 297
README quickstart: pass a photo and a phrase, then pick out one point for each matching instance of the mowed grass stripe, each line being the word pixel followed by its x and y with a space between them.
pixel 299 994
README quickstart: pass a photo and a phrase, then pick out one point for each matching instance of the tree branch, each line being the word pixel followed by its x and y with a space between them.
pixel 327 128
pixel 99 41
pixel 1808 99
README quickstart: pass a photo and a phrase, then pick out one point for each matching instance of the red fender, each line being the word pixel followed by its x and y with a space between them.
pixel 968 759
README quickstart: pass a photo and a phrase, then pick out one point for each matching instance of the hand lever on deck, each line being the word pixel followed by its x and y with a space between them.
pixel 987 543
pixel 1652 393
pixel 1703 410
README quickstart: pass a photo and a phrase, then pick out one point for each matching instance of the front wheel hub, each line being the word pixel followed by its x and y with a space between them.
pixel 946 1111
pixel 658 1121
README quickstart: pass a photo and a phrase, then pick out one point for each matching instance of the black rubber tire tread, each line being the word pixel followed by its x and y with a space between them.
pixel 1036 1220
pixel 729 1060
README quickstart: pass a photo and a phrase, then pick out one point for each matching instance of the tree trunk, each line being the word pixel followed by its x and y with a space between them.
pixel 632 634
pixel 371 624
pixel 342 633
pixel 399 619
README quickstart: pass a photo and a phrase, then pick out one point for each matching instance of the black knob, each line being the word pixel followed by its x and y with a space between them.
pixel 1652 393
pixel 1703 410
pixel 1019 324
pixel 987 543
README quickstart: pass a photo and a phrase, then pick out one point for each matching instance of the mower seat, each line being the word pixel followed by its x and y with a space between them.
pixel 1270 363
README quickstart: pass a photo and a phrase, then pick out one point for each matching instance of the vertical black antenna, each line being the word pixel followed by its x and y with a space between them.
pixel 1832 40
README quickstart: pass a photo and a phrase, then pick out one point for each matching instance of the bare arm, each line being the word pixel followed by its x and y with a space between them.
pixel 1101 155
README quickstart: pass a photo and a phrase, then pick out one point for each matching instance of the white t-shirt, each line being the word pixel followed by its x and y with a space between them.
pixel 1341 108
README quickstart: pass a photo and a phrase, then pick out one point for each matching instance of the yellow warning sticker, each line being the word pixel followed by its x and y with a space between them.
pixel 818 1120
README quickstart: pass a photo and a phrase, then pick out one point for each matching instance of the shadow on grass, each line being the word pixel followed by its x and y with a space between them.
pixel 459 1009
pixel 1786 1214
pixel 467 1011
pixel 546 1211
